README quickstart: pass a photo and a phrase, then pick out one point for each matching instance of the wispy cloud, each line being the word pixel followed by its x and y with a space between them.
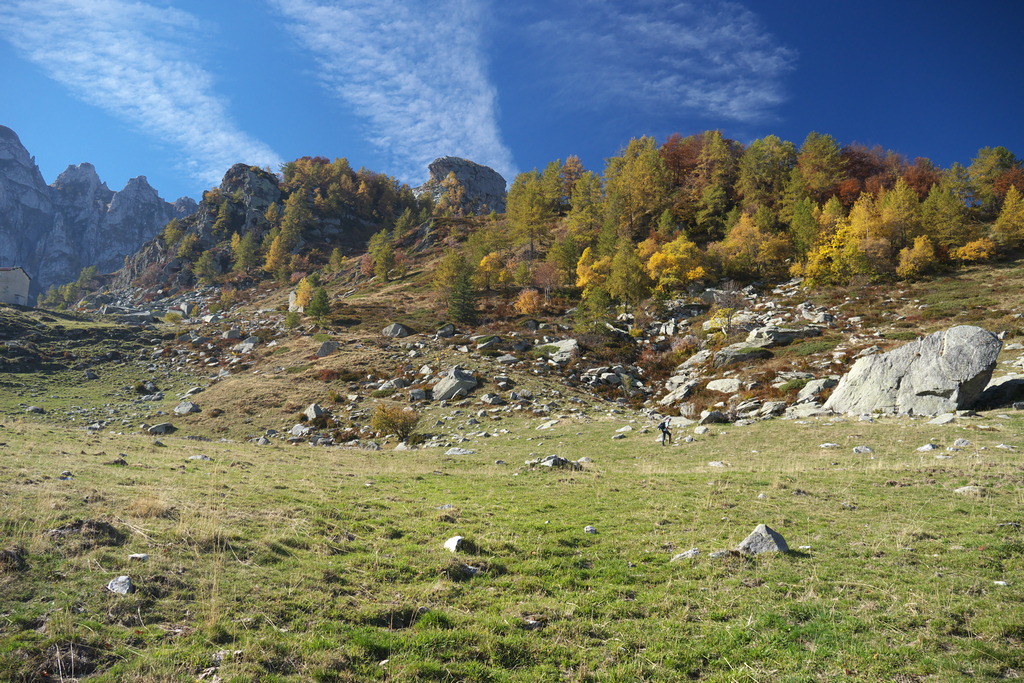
pixel 415 71
pixel 122 56
pixel 710 58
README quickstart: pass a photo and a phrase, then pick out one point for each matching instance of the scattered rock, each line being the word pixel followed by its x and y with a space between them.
pixel 454 544
pixel 970 490
pixel 688 554
pixel 327 348
pixel 396 330
pixel 313 411
pixel 589 529
pixel 763 539
pixel 729 385
pixel 122 585
pixel 862 450
pixel 459 451
pixel 162 428
pixel 187 407
pixel 454 383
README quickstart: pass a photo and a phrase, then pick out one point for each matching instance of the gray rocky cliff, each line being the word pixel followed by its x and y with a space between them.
pixel 485 187
pixel 54 231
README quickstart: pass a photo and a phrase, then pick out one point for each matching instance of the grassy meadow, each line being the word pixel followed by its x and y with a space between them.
pixel 284 562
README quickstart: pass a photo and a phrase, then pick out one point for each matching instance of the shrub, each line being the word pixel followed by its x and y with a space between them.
pixel 394 420
pixel 979 250
pixel 529 302
pixel 291 321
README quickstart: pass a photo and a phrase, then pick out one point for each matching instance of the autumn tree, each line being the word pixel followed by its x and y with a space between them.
pixel 222 225
pixel 764 170
pixel 591 271
pixel 277 260
pixel 900 215
pixel 572 171
pixel 917 260
pixel 984 171
pixel 172 233
pixel 563 256
pixel 336 261
pixel 819 165
pixel 675 265
pixel 750 251
pixel 627 280
pixel 944 217
pixel 636 187
pixel 1008 230
pixel 382 251
pixel 304 293
pixel 206 267
pixel 586 208
pixel 529 302
pixel 453 197
pixel 528 210
pixel 296 218
pixel 244 251
pixel 803 226
pixel 491 272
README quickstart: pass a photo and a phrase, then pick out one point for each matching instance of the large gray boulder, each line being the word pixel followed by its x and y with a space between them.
pixel 769 337
pixel 454 383
pixel 940 373
pixel 397 330
pixel 484 188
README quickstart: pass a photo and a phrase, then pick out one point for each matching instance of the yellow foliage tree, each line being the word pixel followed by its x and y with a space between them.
pixel 750 251
pixel 491 271
pixel 304 293
pixel 1008 230
pixel 978 250
pixel 529 302
pixel 675 265
pixel 917 260
pixel 591 272
pixel 277 259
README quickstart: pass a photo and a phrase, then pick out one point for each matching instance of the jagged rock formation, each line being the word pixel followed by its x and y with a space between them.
pixel 54 231
pixel 484 187
pixel 246 191
pixel 940 373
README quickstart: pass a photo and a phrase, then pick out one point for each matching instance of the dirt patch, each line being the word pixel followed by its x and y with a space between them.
pixel 82 535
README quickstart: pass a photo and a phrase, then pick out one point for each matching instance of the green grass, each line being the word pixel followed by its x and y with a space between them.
pixel 320 564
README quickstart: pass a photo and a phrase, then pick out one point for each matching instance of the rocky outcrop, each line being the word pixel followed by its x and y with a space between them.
pixel 940 373
pixel 54 231
pixel 484 188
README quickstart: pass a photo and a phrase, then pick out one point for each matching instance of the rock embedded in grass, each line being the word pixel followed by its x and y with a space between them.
pixel 122 585
pixel 187 407
pixel 687 554
pixel 454 544
pixel 763 539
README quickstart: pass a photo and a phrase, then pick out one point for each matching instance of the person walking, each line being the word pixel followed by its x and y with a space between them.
pixel 666 435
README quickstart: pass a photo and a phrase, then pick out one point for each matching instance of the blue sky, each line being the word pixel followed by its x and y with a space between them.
pixel 178 90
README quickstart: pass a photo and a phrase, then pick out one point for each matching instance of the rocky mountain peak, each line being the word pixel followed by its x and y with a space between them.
pixel 485 187
pixel 82 182
pixel 54 231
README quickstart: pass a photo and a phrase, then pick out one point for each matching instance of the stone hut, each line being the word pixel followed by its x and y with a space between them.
pixel 14 283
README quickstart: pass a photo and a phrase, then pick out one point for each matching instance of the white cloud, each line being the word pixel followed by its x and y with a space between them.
pixel 709 58
pixel 415 71
pixel 119 55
